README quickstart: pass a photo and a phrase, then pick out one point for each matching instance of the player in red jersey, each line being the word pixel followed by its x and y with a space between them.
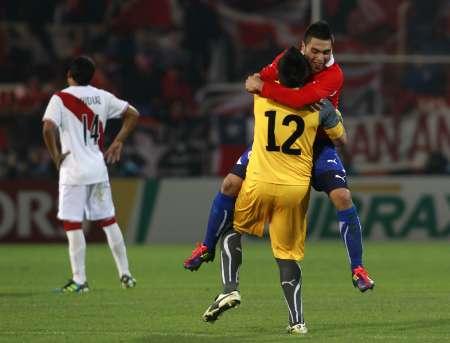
pixel 328 172
pixel 80 112
pixel 325 83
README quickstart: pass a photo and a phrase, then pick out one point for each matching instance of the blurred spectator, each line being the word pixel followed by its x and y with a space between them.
pixel 420 24
pixel 142 83
pixel 202 28
pixel 175 87
pixel 39 163
pixel 103 77
pixel 425 79
pixel 31 96
pixel 138 14
pixel 337 12
pixel 150 150
pixel 69 11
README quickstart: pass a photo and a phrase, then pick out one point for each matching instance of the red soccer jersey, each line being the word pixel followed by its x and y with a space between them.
pixel 325 84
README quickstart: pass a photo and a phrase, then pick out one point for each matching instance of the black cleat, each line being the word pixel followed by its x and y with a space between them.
pixel 222 303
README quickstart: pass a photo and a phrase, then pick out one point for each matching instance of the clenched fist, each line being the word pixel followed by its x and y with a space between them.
pixel 254 84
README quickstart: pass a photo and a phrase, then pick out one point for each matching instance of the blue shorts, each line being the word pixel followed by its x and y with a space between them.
pixel 240 168
pixel 328 171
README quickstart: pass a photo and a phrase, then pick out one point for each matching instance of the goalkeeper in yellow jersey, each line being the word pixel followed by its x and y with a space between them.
pixel 276 190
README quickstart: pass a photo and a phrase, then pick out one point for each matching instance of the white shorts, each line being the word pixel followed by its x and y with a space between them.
pixel 91 202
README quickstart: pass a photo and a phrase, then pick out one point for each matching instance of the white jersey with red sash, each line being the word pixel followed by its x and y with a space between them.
pixel 80 113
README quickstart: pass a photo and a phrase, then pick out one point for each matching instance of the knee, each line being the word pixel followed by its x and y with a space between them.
pixel 231 236
pixel 231 185
pixel 341 198
pixel 289 269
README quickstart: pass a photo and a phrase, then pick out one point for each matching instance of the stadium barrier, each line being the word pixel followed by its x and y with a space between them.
pixel 176 210
pixel 28 210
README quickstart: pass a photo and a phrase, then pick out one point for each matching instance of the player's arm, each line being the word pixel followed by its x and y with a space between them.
pixel 254 82
pixel 49 132
pixel 312 92
pixel 129 121
pixel 331 121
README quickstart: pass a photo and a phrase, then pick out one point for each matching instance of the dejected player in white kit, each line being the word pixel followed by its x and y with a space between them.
pixel 79 112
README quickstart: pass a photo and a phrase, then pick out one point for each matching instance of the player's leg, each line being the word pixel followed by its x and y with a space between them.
pixel 118 249
pixel 231 259
pixel 291 283
pixel 349 224
pixel 100 208
pixel 287 235
pixel 329 176
pixel 351 234
pixel 70 211
pixel 220 214
pixel 249 218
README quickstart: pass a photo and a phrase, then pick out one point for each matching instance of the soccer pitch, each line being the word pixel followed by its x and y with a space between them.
pixel 410 303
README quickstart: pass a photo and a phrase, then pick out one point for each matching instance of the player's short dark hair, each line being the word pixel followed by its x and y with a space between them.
pixel 320 30
pixel 293 68
pixel 82 70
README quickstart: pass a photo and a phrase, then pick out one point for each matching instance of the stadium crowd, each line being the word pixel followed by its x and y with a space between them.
pixel 163 56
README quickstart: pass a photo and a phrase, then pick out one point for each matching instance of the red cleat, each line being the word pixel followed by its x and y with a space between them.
pixel 361 279
pixel 199 255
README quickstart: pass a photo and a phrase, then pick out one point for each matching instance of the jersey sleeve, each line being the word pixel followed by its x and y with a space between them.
pixel 53 111
pixel 270 72
pixel 336 131
pixel 324 87
pixel 115 106
pixel 331 120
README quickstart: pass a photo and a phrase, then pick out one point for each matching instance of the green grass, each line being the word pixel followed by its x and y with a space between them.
pixel 410 303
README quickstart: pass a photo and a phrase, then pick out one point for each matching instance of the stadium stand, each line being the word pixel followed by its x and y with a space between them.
pixel 182 63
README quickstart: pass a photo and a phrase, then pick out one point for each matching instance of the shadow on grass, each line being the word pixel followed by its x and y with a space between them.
pixel 389 326
pixel 180 338
pixel 252 335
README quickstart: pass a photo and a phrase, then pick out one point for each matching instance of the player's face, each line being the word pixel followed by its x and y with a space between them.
pixel 317 52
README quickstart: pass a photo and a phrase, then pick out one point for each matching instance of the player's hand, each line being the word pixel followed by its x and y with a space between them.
pixel 322 104
pixel 60 158
pixel 114 152
pixel 254 84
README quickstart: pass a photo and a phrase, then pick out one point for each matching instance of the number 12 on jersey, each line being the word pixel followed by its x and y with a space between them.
pixel 286 147
pixel 93 130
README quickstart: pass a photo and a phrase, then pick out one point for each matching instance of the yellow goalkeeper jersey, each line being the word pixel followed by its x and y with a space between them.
pixel 283 139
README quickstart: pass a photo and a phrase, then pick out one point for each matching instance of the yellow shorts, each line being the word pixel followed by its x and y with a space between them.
pixel 283 207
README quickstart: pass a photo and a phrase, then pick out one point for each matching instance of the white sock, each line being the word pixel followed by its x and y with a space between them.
pixel 118 249
pixel 77 253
